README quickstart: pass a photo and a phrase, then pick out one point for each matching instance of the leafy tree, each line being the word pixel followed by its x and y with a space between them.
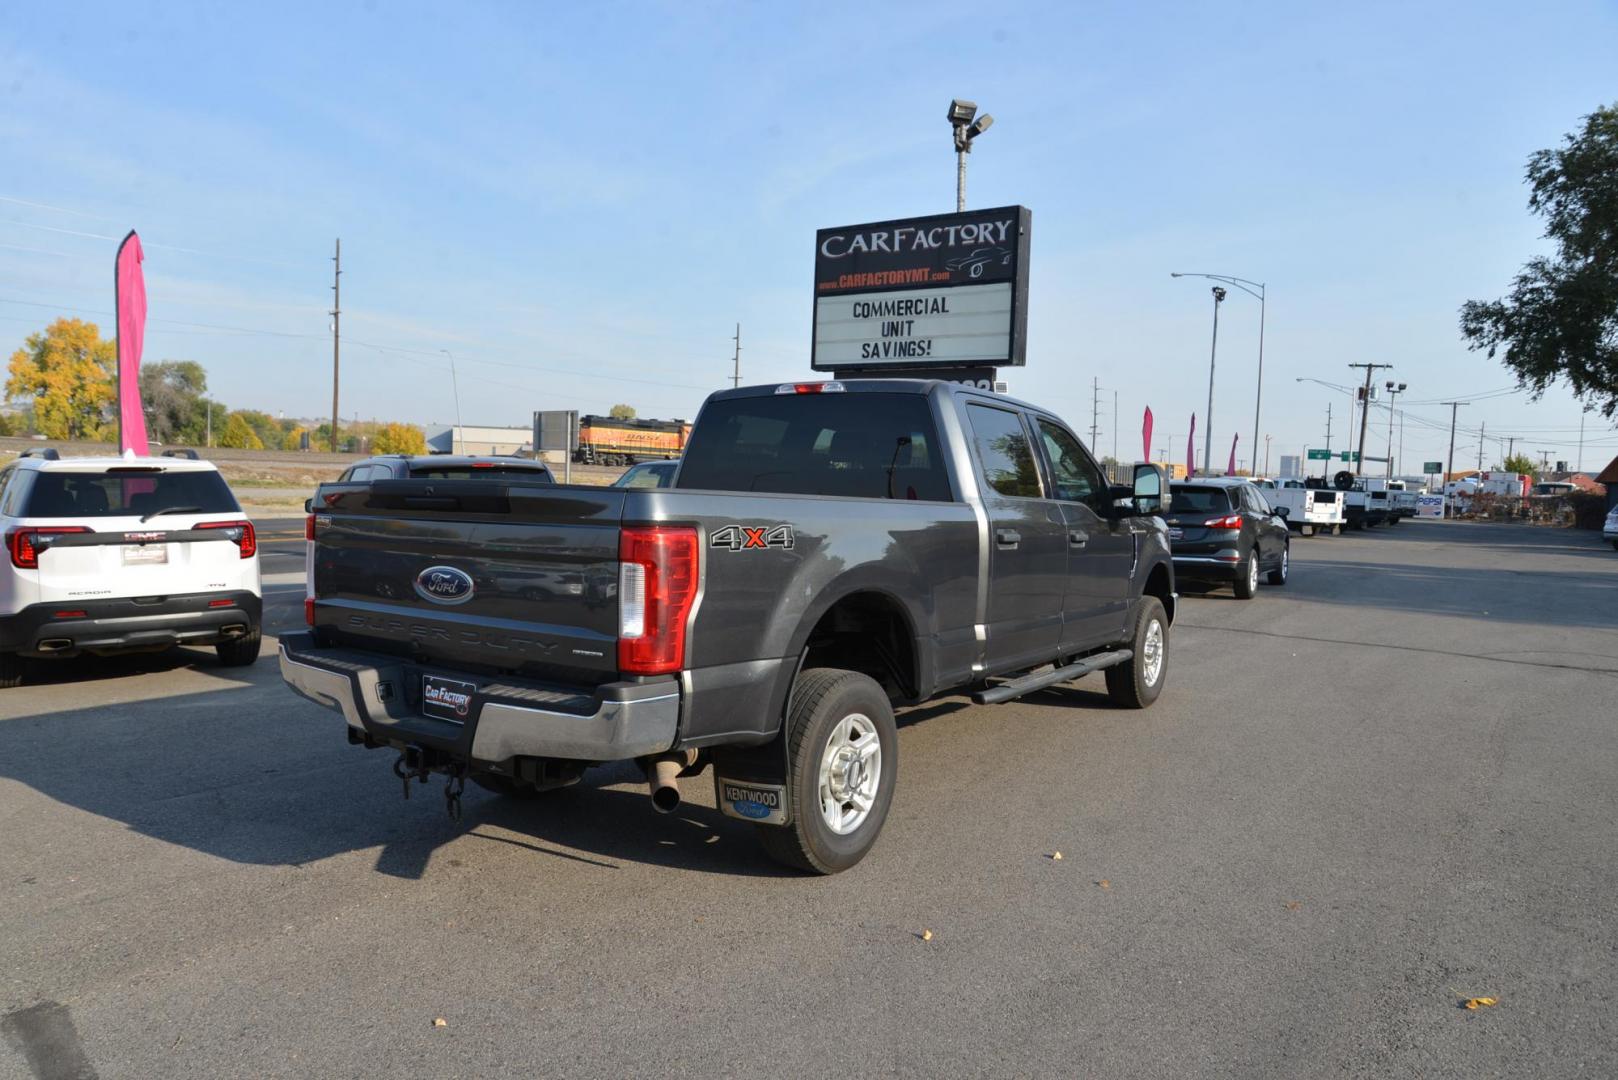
pixel 238 434
pixel 265 426
pixel 399 439
pixel 293 440
pixel 622 412
pixel 16 422
pixel 67 371
pixel 1561 318
pixel 171 391
pixel 1520 463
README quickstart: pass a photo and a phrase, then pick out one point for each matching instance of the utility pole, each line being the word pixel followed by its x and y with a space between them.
pixel 1544 461
pixel 1511 446
pixel 1454 408
pixel 1325 469
pixel 1266 455
pixel 736 377
pixel 336 314
pixel 1578 466
pixel 1115 427
pixel 208 438
pixel 1095 413
pixel 1213 351
pixel 1394 389
pixel 1480 446
pixel 1365 410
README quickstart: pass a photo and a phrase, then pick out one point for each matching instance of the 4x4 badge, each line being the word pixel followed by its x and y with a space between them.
pixel 752 537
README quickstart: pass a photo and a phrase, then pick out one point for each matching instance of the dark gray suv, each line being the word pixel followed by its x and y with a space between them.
pixel 1222 529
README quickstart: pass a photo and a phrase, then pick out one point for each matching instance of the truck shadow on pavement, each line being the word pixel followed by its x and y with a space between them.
pixel 251 774
pixel 1538 597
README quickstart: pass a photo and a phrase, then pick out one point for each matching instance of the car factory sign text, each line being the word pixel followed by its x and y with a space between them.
pixel 936 292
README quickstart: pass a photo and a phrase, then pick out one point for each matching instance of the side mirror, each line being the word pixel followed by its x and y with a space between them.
pixel 1147 490
pixel 1282 511
pixel 308 506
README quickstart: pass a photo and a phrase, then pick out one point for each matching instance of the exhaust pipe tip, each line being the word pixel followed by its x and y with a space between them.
pixel 663 776
pixel 666 800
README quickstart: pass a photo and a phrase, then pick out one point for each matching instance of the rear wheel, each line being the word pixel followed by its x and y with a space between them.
pixel 843 758
pixel 239 652
pixel 1247 584
pixel 1278 576
pixel 1136 684
pixel 11 668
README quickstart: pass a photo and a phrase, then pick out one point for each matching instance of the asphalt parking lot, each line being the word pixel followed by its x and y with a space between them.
pixel 1364 797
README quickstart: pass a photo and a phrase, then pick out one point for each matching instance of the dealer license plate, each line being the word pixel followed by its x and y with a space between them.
pixel 1175 534
pixel 446 699
pixel 144 554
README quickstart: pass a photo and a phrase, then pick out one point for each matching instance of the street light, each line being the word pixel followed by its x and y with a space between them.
pixel 1213 351
pixel 1394 389
pixel 1247 287
pixel 460 436
pixel 961 113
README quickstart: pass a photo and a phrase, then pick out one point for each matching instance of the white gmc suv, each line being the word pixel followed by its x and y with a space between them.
pixel 115 554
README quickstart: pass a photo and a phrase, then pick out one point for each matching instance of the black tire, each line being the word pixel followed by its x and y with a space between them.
pixel 1247 584
pixel 822 698
pixel 1132 685
pixel 500 784
pixel 1615 545
pixel 242 651
pixel 12 667
pixel 1278 576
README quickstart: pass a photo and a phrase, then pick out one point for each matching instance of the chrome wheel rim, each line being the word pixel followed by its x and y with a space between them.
pixel 1286 561
pixel 850 772
pixel 1252 571
pixel 1151 653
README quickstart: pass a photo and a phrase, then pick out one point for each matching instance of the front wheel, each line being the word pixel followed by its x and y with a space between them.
pixel 843 762
pixel 1136 684
pixel 1278 576
pixel 1247 584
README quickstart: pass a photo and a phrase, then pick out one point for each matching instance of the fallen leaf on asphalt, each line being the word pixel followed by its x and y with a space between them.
pixel 440 1022
pixel 1104 883
pixel 926 935
pixel 1479 1003
pixel 1294 905
pixel 1057 855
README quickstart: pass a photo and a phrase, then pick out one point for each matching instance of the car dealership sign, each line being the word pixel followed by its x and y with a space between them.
pixel 948 291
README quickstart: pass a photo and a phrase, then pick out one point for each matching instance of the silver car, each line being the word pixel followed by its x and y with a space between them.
pixel 1609 531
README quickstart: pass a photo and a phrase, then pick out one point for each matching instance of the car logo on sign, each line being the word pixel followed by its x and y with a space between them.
pixel 444 585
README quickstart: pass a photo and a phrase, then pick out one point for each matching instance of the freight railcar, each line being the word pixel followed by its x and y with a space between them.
pixel 606 441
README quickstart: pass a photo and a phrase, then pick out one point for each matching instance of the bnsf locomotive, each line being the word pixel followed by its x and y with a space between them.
pixel 605 441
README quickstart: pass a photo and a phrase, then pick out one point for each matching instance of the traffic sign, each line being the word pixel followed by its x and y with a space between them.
pixel 1351 455
pixel 1432 467
pixel 1320 455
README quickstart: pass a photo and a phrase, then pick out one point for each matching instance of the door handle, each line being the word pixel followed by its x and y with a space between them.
pixel 1077 539
pixel 1007 537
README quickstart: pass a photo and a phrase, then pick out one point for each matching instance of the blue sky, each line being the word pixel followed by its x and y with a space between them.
pixel 580 201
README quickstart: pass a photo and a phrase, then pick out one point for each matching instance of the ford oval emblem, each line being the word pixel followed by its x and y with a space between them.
pixel 444 585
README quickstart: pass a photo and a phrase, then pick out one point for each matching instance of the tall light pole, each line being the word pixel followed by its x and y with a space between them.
pixel 1247 287
pixel 961 113
pixel 1394 389
pixel 1213 351
pixel 458 440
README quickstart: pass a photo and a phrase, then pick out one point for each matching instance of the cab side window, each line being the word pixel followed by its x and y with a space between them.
pixel 1076 477
pixel 1004 452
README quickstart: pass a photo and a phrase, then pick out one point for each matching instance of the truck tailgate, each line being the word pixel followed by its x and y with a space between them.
pixel 472 575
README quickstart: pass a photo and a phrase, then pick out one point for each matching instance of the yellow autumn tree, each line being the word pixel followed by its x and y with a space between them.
pixel 67 371
pixel 294 439
pixel 239 434
pixel 399 439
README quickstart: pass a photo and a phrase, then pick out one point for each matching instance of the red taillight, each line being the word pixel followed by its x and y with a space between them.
pixel 221 603
pixel 239 531
pixel 482 464
pixel 309 527
pixel 25 545
pixel 810 388
pixel 75 613
pixel 309 611
pixel 1229 521
pixel 657 585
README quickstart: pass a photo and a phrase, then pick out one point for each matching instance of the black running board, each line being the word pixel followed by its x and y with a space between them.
pixel 1016 688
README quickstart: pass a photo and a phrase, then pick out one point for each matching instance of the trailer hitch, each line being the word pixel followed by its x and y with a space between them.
pixel 410 767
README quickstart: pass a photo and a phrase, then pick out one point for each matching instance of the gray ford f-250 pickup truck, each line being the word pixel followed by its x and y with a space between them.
pixel 829 550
